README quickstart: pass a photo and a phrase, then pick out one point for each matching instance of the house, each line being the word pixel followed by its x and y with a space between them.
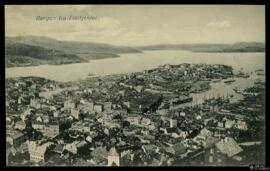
pixel 121 92
pixel 150 148
pixel 210 142
pixel 133 119
pixel 51 130
pixel 86 127
pixel 87 106
pixel 220 124
pixel 145 121
pixel 38 125
pixel 242 125
pixel 75 113
pixel 38 152
pixel 69 104
pixel 182 114
pixel 108 107
pixel 56 114
pixel 35 103
pixel 176 149
pixel 45 118
pixel 98 108
pixel 11 151
pixel 113 157
pixel 121 111
pixel 218 153
pixel 75 146
pixel 127 104
pixel 162 112
pixel 173 123
pixel 139 89
pixel 229 123
pixel 25 114
pixel 91 137
pixel 78 126
pixel 111 124
pixel 202 136
pixel 20 125
pixel 58 148
pixel 15 138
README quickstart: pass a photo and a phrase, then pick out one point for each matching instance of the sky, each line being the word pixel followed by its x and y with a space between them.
pixel 136 25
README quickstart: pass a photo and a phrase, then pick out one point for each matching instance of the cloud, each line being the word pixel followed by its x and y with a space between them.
pixel 219 24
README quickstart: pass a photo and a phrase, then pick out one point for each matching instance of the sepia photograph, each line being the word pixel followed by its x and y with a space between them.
pixel 135 85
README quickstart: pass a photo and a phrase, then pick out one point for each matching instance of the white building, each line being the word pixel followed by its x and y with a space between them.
pixel 37 152
pixel 173 123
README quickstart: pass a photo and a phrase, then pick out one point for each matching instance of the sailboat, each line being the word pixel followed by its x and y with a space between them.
pixel 235 89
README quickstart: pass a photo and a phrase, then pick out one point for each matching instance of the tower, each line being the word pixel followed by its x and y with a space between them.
pixel 113 157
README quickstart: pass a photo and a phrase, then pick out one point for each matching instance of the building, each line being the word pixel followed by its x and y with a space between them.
pixel 77 126
pixel 75 146
pixel 228 146
pixel 20 125
pixel 139 89
pixel 69 104
pixel 108 107
pixel 35 103
pixel 241 125
pixel 56 114
pixel 173 123
pixel 229 123
pixel 15 138
pixel 87 106
pixel 162 112
pixel 98 108
pixel 145 121
pixel 127 104
pixel 113 157
pixel 51 130
pixel 75 113
pixel 38 125
pixel 86 127
pixel 38 152
pixel 58 148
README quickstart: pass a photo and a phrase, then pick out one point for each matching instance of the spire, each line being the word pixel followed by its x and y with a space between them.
pixel 113 152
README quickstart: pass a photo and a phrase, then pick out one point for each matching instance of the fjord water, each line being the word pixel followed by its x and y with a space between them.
pixel 135 62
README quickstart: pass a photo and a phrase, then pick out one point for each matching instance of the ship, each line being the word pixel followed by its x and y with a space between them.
pixel 259 72
pixel 235 89
pixel 181 100
pixel 229 81
pixel 216 80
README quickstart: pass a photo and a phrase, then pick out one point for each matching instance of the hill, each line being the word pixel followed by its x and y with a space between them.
pixel 36 50
pixel 72 46
pixel 236 47
pixel 18 54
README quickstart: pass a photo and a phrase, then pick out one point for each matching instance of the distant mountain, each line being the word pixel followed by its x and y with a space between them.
pixel 72 46
pixel 35 50
pixel 236 47
pixel 18 54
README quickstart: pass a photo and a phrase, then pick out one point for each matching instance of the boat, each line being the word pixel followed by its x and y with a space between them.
pixel 235 89
pixel 229 81
pixel 216 80
pixel 259 72
pixel 241 74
